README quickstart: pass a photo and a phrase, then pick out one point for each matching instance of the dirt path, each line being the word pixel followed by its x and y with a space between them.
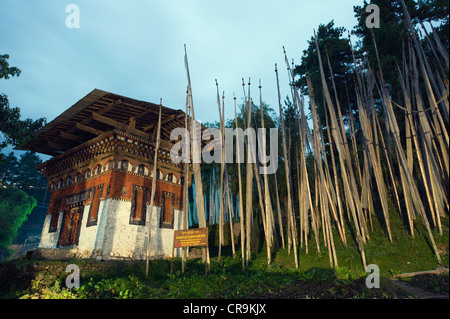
pixel 415 291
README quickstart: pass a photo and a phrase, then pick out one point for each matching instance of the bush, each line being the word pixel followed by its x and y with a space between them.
pixel 15 206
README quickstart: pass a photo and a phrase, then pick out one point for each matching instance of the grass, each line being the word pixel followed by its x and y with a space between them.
pixel 313 279
pixel 125 280
pixel 403 254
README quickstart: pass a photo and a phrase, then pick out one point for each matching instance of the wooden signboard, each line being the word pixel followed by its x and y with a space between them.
pixel 190 237
pixel 196 237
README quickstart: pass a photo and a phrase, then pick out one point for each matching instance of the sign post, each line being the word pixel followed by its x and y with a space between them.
pixel 190 238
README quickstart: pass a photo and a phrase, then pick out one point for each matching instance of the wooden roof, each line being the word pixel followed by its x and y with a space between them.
pixel 100 112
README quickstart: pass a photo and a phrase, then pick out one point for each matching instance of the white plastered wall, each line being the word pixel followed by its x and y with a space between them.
pixel 50 240
pixel 114 237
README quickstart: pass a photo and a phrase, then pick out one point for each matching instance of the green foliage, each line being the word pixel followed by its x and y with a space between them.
pixel 331 39
pixel 225 280
pixel 13 130
pixel 5 70
pixel 15 206
pixel 8 168
pixel 314 278
pixel 22 173
pixel 389 37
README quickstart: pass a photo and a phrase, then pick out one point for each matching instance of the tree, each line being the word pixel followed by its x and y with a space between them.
pixel 393 33
pixel 27 174
pixel 270 120
pixel 8 169
pixel 15 206
pixel 392 38
pixel 389 37
pixel 331 40
pixel 437 11
pixel 21 173
pixel 13 130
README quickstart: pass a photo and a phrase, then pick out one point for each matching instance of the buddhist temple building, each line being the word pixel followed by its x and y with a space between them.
pixel 100 178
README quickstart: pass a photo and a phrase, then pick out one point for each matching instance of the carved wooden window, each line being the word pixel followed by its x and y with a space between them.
pixel 93 209
pixel 88 173
pixel 170 177
pixel 141 169
pixel 79 197
pixel 79 177
pixel 167 210
pixel 124 165
pixel 99 169
pixel 138 205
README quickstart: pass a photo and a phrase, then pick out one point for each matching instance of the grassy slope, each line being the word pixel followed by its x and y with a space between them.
pixel 314 279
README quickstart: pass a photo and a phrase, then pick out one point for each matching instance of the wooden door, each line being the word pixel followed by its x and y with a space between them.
pixel 167 206
pixel 70 232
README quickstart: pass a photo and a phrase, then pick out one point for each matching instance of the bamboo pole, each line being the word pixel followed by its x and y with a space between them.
pixel 241 204
pixel 393 127
pixel 267 203
pixel 439 88
pixel 300 204
pixel 305 135
pixel 262 208
pixel 185 224
pixel 225 177
pixel 389 164
pixel 338 197
pixel 222 168
pixel 442 50
pixel 431 179
pixel 371 147
pixel 325 197
pixel 326 182
pixel 154 177
pixel 353 138
pixel 345 161
pixel 195 145
pixel 260 190
pixel 365 125
pixel 436 58
pixel 436 113
pixel 280 219
pixel 314 217
pixel 287 171
pixel 350 189
pixel 233 249
pixel 249 177
pixel 438 271
pixel 302 214
pixel 212 194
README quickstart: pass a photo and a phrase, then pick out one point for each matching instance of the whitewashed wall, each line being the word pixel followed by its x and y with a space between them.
pixel 114 237
pixel 50 240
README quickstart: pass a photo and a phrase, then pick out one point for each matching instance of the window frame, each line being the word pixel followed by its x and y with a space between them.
pixel 164 200
pixel 95 190
pixel 134 199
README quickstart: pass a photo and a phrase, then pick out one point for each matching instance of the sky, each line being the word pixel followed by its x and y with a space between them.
pixel 135 48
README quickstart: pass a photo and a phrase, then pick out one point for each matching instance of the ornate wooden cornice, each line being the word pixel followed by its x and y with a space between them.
pixel 114 142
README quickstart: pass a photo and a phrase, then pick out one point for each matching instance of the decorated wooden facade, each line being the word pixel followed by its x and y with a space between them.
pixel 100 178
